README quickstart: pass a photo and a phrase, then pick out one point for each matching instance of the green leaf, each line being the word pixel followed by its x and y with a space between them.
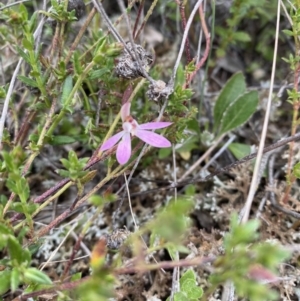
pixel 27 44
pixel 239 150
pixel 239 111
pixel 8 161
pixel 100 48
pixel 4 281
pixel 66 163
pixel 188 285
pixel 67 88
pixel 241 36
pixel 2 92
pixel 171 223
pixel 76 276
pixel 96 74
pixel 36 276
pixel 164 152
pixel 180 76
pixel 23 54
pixel 296 170
pixel 233 89
pixel 18 254
pixel 23 189
pixel 270 255
pixel 5 233
pixel 15 250
pixel 23 11
pixel 114 50
pixel 188 275
pixel 98 200
pixel 28 81
pixel 4 230
pixel 18 207
pixel 180 296
pixel 288 32
pixel 99 58
pixel 33 21
pixel 195 293
pixel 76 62
pixel 11 185
pixel 172 250
pixel 14 279
pixel 190 190
pixel 26 257
pixel 73 158
pixel 193 125
pixel 63 173
pixel 61 140
pixel 240 233
pixel 191 143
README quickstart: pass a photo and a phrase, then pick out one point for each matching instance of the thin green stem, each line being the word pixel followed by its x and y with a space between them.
pixel 68 101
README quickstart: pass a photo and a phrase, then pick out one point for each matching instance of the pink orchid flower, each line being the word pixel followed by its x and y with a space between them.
pixel 132 128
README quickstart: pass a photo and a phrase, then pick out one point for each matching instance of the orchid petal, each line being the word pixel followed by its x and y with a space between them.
pixel 125 111
pixel 154 125
pixel 153 138
pixel 112 141
pixel 124 149
pixel 127 127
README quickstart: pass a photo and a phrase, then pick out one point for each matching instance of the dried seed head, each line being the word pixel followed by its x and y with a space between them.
pixel 158 90
pixel 116 239
pixel 127 67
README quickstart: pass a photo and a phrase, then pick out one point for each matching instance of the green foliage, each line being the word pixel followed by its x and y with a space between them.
pixel 74 167
pixel 16 269
pixel 66 90
pixel 292 61
pixel 239 150
pixel 5 280
pixel 16 182
pixel 189 290
pixel 296 170
pixel 98 288
pixel 2 92
pixel 239 111
pixel 188 142
pixel 188 285
pixel 36 276
pixel 232 90
pixel 233 106
pixel 242 253
pixel 59 12
pixel 172 222
pixel 244 11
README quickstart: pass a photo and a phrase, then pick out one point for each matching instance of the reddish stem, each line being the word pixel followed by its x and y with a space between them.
pixel 207 47
pixel 24 127
pixel 197 261
pixel 141 7
pixel 187 43
pixel 70 261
